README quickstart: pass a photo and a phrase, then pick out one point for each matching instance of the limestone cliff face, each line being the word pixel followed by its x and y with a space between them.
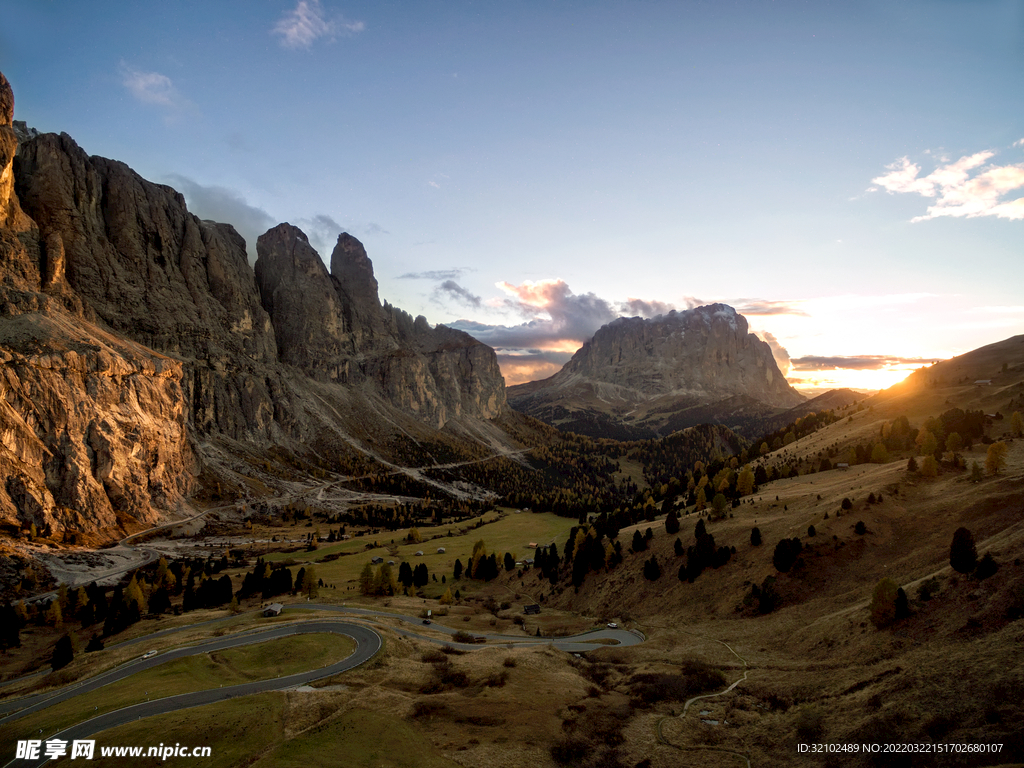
pixel 706 351
pixel 148 268
pixel 644 375
pixel 334 328
pixel 92 427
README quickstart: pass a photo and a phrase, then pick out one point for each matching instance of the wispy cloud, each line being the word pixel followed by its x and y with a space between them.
pixel 452 290
pixel 433 274
pixel 322 232
pixel 225 205
pixel 307 23
pixel 967 188
pixel 854 362
pixel 154 88
pixel 764 307
pixel 779 352
pixel 653 308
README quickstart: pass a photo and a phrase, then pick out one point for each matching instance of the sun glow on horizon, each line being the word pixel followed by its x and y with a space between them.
pixel 863 379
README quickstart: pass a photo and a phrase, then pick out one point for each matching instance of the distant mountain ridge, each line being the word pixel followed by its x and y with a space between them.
pixel 639 378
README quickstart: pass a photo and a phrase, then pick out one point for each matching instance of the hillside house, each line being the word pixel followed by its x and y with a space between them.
pixel 274 609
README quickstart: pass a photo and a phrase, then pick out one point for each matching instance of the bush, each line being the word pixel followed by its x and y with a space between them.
pixel 986 567
pixel 927 589
pixel 497 679
pixel 433 656
pixel 860 529
pixel 883 603
pixel 810 725
pixel 572 750
pixel 786 553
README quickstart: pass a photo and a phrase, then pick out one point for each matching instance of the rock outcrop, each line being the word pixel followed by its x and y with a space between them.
pixel 640 378
pixel 334 328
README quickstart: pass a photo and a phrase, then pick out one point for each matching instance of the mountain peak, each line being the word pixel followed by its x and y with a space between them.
pixel 646 374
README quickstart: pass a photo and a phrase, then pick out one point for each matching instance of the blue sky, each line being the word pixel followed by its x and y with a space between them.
pixel 842 173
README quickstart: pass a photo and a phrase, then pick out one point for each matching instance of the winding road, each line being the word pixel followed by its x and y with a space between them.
pixel 368 643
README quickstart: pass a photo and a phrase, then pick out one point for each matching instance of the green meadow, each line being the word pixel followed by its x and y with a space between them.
pixel 507 532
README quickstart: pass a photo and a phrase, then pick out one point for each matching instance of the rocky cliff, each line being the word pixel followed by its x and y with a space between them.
pixel 92 426
pixel 640 378
pixel 142 351
pixel 334 328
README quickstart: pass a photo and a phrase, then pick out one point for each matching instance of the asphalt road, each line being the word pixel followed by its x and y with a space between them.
pixel 368 642
pixel 573 644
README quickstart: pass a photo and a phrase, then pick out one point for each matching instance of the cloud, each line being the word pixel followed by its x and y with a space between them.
pixel 307 23
pixel 434 184
pixel 1019 143
pixel 225 205
pixel 322 232
pixel 434 274
pixel 855 363
pixel 779 352
pixel 559 320
pixel 531 366
pixel 374 228
pixel 642 308
pixel 154 88
pixel 967 188
pixel 556 323
pixel 455 291
pixel 763 307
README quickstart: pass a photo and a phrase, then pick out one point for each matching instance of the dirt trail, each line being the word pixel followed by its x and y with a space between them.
pixel 686 706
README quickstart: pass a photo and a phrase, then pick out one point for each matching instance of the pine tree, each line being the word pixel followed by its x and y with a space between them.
pixel 10 627
pixel 366 580
pixel 963 555
pixel 671 523
pixel 63 653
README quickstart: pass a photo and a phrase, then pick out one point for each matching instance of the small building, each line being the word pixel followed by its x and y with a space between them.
pixel 391 562
pixel 528 562
pixel 419 553
pixel 377 560
pixel 532 545
pixel 440 550
pixel 274 609
pixel 983 382
pixel 842 465
pixel 530 610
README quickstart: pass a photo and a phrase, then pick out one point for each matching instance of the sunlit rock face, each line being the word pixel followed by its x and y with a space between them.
pixel 646 375
pixel 92 426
